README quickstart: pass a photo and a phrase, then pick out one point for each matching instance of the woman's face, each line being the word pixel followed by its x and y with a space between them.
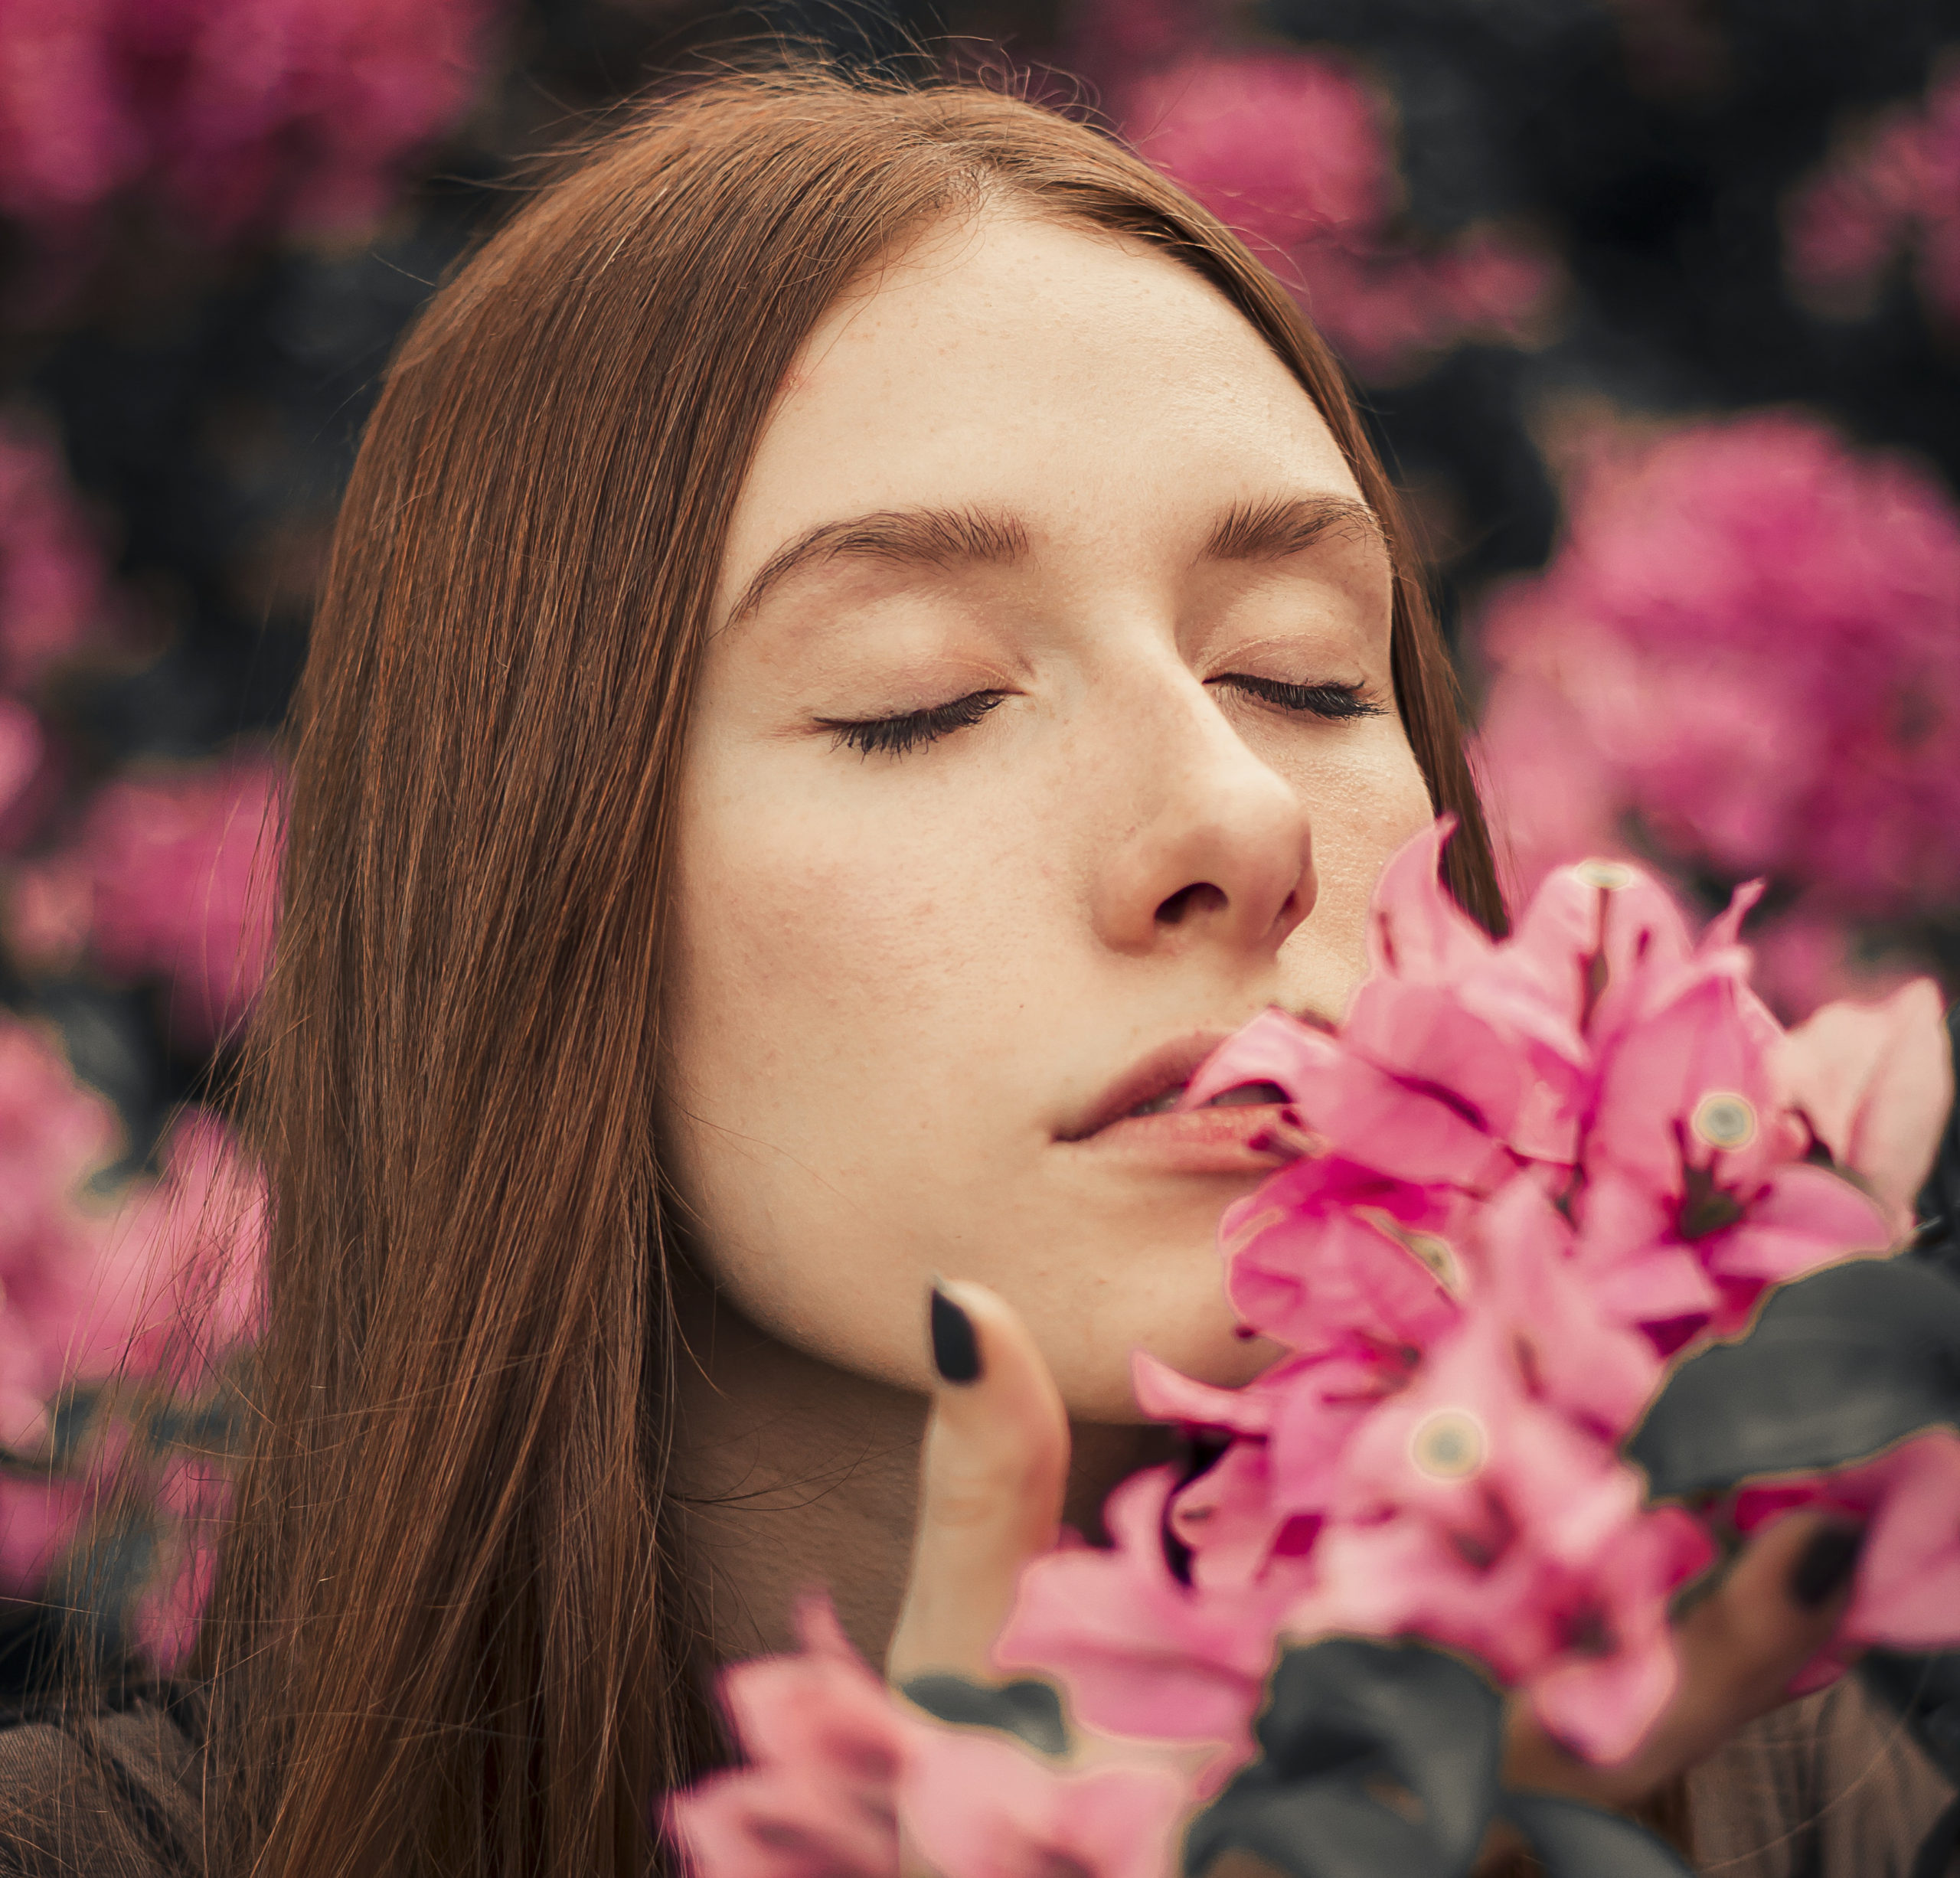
pixel 1046 735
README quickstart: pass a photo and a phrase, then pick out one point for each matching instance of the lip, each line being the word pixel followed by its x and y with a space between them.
pixel 1163 1069
pixel 1195 1140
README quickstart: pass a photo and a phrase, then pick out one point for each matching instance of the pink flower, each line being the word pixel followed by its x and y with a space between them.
pixel 1293 150
pixel 1875 1084
pixel 1893 187
pixel 1476 1514
pixel 54 596
pixel 842 1774
pixel 1139 1653
pixel 1907 1585
pixel 1284 146
pixel 54 1320
pixel 1525 1171
pixel 1695 1198
pixel 1328 1255
pixel 231 114
pixel 189 1248
pixel 173 877
pixel 1748 647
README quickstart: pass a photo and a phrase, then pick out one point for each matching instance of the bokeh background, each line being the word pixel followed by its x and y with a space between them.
pixel 1654 305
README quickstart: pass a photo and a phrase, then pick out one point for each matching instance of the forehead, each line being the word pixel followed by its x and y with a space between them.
pixel 1075 377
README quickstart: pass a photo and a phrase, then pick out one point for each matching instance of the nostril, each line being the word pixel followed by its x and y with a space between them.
pixel 1201 896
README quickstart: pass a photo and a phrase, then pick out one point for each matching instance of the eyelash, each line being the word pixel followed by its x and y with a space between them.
pixel 913 729
pixel 1338 703
pixel 893 737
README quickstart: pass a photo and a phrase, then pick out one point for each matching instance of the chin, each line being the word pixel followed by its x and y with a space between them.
pixel 1196 1334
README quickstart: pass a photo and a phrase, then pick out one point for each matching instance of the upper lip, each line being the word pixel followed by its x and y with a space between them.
pixel 1168 1066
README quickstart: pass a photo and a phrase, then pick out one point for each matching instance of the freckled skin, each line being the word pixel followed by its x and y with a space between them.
pixel 898 978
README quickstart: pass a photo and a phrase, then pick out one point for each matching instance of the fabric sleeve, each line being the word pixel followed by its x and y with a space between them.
pixel 1833 1786
pixel 106 1798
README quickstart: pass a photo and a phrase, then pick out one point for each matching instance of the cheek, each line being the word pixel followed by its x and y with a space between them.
pixel 835 983
pixel 1364 810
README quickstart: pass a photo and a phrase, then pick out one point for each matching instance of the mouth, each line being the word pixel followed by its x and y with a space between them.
pixel 1155 1087
pixel 1247 1096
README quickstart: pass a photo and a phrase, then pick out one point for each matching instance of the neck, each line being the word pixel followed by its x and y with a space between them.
pixel 792 1475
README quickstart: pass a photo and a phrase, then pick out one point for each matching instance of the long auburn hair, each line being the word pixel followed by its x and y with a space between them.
pixel 451 1632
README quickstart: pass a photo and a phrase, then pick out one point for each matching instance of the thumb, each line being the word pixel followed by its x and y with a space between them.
pixel 992 1474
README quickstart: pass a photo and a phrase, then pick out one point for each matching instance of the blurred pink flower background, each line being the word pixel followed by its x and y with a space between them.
pixel 1889 191
pixel 1743 659
pixel 206 124
pixel 227 115
pixel 1296 150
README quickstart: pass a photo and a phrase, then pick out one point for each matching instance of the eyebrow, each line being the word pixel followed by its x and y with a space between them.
pixel 945 537
pixel 1290 524
pixel 915 537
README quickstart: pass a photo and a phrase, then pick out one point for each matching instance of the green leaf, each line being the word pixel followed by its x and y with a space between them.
pixel 1837 1367
pixel 1574 1840
pixel 1377 1760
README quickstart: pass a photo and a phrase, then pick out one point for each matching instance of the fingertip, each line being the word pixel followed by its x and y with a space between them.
pixel 1823 1569
pixel 956 1344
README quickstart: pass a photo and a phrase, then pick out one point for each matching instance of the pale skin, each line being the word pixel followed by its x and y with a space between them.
pixel 1048 489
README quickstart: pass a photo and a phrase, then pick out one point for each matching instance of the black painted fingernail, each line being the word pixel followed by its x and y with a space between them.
pixel 1824 1566
pixel 955 1349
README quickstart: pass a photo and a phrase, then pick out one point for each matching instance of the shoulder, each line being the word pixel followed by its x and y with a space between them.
pixel 107 1794
pixel 1831 1786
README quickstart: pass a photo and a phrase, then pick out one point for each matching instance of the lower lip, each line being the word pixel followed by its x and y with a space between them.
pixel 1189 1140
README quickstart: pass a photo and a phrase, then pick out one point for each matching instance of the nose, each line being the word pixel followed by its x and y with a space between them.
pixel 1218 847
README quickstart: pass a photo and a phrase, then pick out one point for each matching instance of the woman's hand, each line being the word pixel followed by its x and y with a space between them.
pixel 1739 1647
pixel 992 1474
pixel 996 1463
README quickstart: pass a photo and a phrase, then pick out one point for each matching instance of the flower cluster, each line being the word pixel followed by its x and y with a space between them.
pixel 1892 188
pixel 1293 150
pixel 95 1296
pixel 162 879
pixel 843 1774
pixel 167 877
pixel 232 113
pixel 1745 656
pixel 1525 1174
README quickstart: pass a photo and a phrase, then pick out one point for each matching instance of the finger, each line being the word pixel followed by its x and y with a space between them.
pixel 1738 1648
pixel 994 1468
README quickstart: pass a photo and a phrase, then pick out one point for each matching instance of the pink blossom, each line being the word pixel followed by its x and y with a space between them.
pixel 842 1774
pixel 1327 1254
pixel 1526 1171
pixel 54 1134
pixel 1875 1084
pixel 189 1249
pixel 1475 1514
pixel 171 877
pixel 1907 1585
pixel 1695 1198
pixel 1573 1355
pixel 54 597
pixel 1890 188
pixel 1139 1653
pixel 1748 647
pixel 1292 149
pixel 164 1624
pixel 232 114
pixel 1286 147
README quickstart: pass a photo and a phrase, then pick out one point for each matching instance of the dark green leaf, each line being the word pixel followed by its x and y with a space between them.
pixel 1574 1840
pixel 1028 1709
pixel 1837 1367
pixel 1377 1760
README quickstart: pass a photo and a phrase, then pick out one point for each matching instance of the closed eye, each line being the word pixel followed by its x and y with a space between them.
pixel 912 730
pixel 1337 703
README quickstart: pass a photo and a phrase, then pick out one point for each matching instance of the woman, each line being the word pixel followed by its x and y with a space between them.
pixel 864 636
